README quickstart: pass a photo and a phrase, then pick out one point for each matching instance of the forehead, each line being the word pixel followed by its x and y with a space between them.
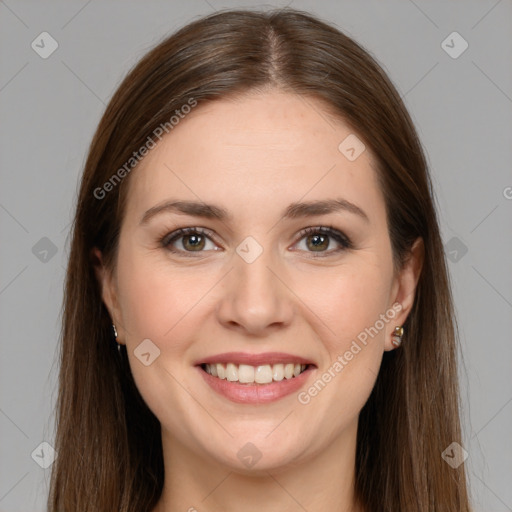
pixel 252 150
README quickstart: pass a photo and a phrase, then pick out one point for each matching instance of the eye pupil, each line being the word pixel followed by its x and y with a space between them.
pixel 197 241
pixel 319 241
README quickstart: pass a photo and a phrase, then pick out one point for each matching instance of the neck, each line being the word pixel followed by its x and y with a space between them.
pixel 195 482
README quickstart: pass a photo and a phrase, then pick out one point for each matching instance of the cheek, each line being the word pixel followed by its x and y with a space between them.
pixel 353 335
pixel 160 303
pixel 350 304
pixel 145 302
pixel 349 301
pixel 346 303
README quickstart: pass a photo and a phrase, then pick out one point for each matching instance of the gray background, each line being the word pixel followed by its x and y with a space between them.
pixel 50 107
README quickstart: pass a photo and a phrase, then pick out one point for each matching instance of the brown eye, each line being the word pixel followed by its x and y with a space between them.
pixel 187 240
pixel 317 242
pixel 193 242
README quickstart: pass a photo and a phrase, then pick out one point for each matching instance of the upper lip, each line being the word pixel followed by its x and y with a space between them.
pixel 254 359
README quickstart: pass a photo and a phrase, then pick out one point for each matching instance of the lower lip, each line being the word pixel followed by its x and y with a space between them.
pixel 256 393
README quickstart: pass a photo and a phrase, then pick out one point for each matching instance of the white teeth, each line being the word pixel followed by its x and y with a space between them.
pixel 231 372
pixel 278 372
pixel 263 374
pixel 247 374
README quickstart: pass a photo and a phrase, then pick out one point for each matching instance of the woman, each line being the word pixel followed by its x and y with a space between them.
pixel 257 311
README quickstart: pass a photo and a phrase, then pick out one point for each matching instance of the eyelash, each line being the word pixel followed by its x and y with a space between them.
pixel 338 236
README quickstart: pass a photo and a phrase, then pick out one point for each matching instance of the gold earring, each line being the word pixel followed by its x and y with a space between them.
pixel 397 335
pixel 115 335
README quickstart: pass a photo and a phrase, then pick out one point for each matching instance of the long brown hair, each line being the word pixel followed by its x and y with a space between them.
pixel 108 441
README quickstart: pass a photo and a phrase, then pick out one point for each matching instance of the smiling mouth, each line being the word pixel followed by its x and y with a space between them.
pixel 254 375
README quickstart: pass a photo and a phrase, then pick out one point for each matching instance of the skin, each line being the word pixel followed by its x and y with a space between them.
pixel 254 156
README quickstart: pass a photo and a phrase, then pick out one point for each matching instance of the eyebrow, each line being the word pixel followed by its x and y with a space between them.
pixel 293 211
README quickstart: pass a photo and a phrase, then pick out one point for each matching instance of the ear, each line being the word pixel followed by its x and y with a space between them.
pixel 404 289
pixel 108 287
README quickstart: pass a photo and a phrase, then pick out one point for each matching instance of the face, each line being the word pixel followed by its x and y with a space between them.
pixel 261 280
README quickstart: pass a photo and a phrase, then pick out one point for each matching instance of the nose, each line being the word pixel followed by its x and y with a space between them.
pixel 255 297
